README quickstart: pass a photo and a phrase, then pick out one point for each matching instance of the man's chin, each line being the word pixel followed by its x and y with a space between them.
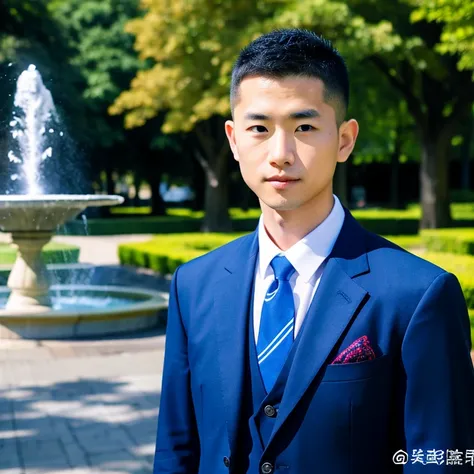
pixel 281 206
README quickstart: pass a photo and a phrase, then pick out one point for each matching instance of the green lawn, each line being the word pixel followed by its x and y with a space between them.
pixel 460 211
pixel 53 252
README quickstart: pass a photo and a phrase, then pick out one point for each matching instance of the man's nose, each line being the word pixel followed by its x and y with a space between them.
pixel 282 149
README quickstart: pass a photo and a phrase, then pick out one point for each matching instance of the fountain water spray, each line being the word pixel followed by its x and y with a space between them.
pixel 35 109
pixel 33 218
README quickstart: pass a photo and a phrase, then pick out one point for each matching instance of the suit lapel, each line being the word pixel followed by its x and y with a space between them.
pixel 332 309
pixel 334 305
pixel 232 296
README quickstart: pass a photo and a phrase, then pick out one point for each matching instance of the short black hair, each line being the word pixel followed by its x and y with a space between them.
pixel 295 52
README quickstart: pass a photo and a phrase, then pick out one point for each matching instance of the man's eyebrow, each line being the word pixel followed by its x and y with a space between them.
pixel 302 114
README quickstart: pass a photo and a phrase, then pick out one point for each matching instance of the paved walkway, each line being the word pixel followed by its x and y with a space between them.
pixel 81 407
pixel 100 250
pixel 84 406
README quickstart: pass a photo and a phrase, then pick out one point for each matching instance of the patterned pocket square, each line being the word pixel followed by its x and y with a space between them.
pixel 359 351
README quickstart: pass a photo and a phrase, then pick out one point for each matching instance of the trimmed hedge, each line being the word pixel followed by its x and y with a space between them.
pixel 165 253
pixel 183 220
pixel 460 265
pixel 131 225
pixel 175 225
pixel 454 240
pixel 52 253
pixel 406 241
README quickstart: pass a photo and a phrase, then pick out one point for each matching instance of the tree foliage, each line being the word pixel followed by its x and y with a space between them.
pixel 193 45
pixel 103 53
pixel 457 18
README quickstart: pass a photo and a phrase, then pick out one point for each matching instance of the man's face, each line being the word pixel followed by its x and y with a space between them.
pixel 268 138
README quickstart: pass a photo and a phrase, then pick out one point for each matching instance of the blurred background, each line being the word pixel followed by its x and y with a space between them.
pixel 141 90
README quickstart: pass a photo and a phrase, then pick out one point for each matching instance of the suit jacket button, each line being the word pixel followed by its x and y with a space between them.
pixel 267 468
pixel 226 461
pixel 269 411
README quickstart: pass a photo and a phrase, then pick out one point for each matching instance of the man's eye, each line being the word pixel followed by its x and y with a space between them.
pixel 260 127
pixel 306 125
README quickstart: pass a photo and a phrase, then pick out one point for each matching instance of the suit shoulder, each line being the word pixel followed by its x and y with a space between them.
pixel 390 258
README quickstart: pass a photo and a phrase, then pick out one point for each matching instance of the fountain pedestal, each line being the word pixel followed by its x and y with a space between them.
pixel 28 279
pixel 65 311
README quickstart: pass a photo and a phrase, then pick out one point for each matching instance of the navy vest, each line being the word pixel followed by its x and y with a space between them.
pixel 259 408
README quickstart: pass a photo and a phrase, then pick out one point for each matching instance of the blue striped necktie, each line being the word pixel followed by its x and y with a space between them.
pixel 275 335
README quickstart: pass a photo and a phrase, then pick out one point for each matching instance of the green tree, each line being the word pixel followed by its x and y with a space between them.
pixel 193 46
pixel 437 94
pixel 387 131
pixel 457 18
pixel 104 54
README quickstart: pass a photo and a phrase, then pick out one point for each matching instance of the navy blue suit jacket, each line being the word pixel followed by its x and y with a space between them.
pixel 417 395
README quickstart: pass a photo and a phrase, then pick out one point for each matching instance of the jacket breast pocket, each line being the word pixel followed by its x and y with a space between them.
pixel 357 370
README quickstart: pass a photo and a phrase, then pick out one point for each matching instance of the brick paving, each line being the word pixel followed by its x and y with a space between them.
pixel 83 407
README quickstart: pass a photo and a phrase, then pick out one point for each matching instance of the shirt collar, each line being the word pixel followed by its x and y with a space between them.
pixel 309 253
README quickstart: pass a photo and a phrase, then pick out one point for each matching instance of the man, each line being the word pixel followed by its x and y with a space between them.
pixel 310 345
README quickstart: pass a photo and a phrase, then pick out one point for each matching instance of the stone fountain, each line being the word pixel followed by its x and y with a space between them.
pixel 32 307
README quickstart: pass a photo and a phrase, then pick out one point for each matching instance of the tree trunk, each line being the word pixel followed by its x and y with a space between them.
pixel 434 180
pixel 158 207
pixel 215 165
pixel 199 186
pixel 110 183
pixel 137 181
pixel 216 201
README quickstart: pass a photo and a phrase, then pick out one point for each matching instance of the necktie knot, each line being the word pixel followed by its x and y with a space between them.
pixel 282 268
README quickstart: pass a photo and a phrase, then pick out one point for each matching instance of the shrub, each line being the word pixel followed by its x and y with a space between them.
pixel 460 265
pixel 454 240
pixel 406 241
pixel 165 253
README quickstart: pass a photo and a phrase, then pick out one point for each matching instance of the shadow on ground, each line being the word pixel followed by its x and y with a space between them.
pixel 86 425
pixel 89 424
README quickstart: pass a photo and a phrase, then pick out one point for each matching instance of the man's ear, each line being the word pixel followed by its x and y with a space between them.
pixel 230 132
pixel 348 132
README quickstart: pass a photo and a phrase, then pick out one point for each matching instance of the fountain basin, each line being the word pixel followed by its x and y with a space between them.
pixel 80 311
pixel 27 213
pixel 32 219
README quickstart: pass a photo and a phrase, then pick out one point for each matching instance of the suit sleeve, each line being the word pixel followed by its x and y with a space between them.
pixel 439 401
pixel 177 442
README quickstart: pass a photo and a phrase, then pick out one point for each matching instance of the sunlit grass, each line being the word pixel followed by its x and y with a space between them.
pixel 458 210
pixel 53 252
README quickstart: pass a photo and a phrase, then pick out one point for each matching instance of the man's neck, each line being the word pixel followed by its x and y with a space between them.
pixel 286 228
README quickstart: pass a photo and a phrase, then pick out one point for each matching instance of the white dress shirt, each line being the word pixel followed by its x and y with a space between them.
pixel 308 257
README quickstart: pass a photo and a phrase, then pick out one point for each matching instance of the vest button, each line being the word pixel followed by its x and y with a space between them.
pixel 267 468
pixel 269 411
pixel 226 461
